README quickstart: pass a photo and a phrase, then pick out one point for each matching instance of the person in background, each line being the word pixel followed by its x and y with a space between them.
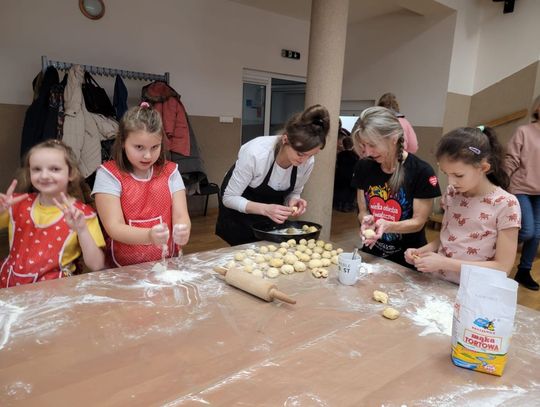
pixel 523 166
pixel 344 193
pixel 395 188
pixel 481 220
pixel 410 141
pixel 49 227
pixel 140 196
pixel 269 176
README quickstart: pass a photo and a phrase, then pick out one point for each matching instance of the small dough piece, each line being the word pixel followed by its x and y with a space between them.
pixel 339 251
pixel 282 250
pixel 299 266
pixel 262 266
pixel 333 252
pixel 326 255
pixel 230 264
pixel 324 273
pixel 305 228
pixel 315 256
pixel 326 262
pixel 271 248
pixel 247 262
pixel 250 252
pixel 312 229
pixel 258 258
pixel 313 264
pixel 276 263
pixel 297 253
pixel 277 255
pixel 369 233
pixel 272 272
pixel 248 268
pixel 334 259
pixel 303 241
pixel 301 248
pixel 311 241
pixel 316 273
pixel 305 257
pixel 290 258
pixel 257 273
pixel 318 249
pixel 380 296
pixel 328 246
pixel 263 249
pixel 287 269
pixel 320 243
pixel 291 242
pixel 309 252
pixel 239 256
pixel 390 313
pixel 284 244
pixel 311 245
pixel 268 257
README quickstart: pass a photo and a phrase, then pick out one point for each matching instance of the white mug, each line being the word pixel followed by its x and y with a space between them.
pixel 349 268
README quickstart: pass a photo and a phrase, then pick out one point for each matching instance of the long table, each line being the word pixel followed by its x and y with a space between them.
pixel 137 337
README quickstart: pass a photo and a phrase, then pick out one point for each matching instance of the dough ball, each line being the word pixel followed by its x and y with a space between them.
pixel 303 241
pixel 230 264
pixel 328 246
pixel 276 262
pixel 297 253
pixel 277 255
pixel 247 262
pixel 257 273
pixel 282 250
pixel 325 262
pixel 248 268
pixel 291 242
pixel 258 258
pixel 271 248
pixel 262 266
pixel 263 249
pixel 390 313
pixel 380 296
pixel 316 273
pixel 299 266
pixel 290 258
pixel 311 245
pixel 312 229
pixel 305 228
pixel 287 269
pixel 315 263
pixel 272 272
pixel 315 256
pixel 318 249
pixel 326 255
pixel 268 257
pixel 320 243
pixel 239 256
pixel 311 241
pixel 284 245
pixel 324 273
pixel 369 233
pixel 334 260
pixel 333 252
pixel 309 252
pixel 304 257
pixel 250 252
pixel 301 247
pixel 339 251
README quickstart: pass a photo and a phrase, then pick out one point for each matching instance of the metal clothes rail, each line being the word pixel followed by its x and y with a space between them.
pixel 103 71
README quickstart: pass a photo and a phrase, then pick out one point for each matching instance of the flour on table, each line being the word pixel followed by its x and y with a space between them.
pixel 435 316
pixel 175 276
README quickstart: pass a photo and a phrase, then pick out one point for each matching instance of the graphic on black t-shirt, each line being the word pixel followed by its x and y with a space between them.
pixel 391 207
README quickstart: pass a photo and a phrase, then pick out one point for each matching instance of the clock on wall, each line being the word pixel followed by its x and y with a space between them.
pixel 93 9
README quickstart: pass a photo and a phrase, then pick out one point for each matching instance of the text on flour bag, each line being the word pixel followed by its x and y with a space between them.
pixel 483 319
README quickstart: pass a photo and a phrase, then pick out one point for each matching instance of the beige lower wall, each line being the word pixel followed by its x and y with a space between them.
pixel 11 122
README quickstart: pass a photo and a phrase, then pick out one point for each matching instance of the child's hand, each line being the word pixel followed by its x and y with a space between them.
pixel 73 216
pixel 7 200
pixel 298 206
pixel 429 262
pixel 181 234
pixel 411 255
pixel 159 234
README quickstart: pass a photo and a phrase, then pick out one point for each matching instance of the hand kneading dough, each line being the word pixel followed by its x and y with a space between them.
pixel 272 272
pixel 380 296
pixel 390 313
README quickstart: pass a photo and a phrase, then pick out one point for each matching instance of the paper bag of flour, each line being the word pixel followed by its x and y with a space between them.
pixel 483 319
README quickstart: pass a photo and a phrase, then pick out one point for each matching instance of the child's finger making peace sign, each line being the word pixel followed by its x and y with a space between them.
pixel 7 199
pixel 73 216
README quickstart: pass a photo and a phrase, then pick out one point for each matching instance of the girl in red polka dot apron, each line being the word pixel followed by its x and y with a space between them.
pixel 140 195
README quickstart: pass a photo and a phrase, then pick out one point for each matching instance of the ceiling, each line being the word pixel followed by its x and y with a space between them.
pixel 359 10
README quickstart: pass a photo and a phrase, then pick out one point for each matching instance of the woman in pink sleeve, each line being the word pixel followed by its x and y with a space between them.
pixel 481 220
pixel 410 142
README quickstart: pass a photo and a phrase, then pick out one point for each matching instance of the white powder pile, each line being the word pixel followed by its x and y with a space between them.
pixel 175 276
pixel 435 316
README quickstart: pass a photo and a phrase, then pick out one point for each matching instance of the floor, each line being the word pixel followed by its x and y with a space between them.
pixel 344 234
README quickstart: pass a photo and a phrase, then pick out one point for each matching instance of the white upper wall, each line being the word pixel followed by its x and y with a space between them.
pixel 489 45
pixel 203 44
pixel 403 53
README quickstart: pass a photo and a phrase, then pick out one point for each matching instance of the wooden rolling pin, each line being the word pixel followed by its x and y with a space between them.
pixel 254 285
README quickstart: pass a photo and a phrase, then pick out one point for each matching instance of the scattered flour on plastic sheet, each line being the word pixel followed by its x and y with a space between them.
pixel 306 399
pixel 435 315
pixel 18 390
pixel 474 395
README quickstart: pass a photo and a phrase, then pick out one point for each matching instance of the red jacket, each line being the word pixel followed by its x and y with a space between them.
pixel 167 102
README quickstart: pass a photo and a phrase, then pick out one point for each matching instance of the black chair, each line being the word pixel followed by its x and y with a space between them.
pixel 207 189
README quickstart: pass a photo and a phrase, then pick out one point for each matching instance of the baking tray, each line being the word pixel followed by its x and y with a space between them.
pixel 262 230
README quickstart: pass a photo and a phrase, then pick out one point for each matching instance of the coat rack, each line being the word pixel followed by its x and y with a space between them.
pixel 102 71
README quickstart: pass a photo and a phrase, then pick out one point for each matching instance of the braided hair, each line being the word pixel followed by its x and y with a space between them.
pixel 377 124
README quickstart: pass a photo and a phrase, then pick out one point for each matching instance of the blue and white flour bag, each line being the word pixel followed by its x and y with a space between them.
pixel 483 319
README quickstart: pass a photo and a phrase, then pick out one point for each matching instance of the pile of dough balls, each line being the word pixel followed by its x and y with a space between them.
pixel 309 229
pixel 287 258
pixel 388 312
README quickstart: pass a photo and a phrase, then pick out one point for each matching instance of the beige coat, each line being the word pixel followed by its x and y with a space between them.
pixel 83 131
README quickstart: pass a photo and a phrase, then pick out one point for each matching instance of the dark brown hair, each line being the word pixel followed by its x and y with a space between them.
pixel 389 101
pixel 308 129
pixel 138 118
pixel 471 145
pixel 76 188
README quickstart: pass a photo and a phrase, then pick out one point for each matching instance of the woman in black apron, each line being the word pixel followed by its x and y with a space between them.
pixel 269 175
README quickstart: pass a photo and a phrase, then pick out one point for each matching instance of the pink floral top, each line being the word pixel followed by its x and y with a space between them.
pixel 471 224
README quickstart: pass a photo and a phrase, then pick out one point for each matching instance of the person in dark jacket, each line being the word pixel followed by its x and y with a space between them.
pixel 344 193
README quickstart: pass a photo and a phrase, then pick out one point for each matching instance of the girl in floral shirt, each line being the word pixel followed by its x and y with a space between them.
pixel 481 220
